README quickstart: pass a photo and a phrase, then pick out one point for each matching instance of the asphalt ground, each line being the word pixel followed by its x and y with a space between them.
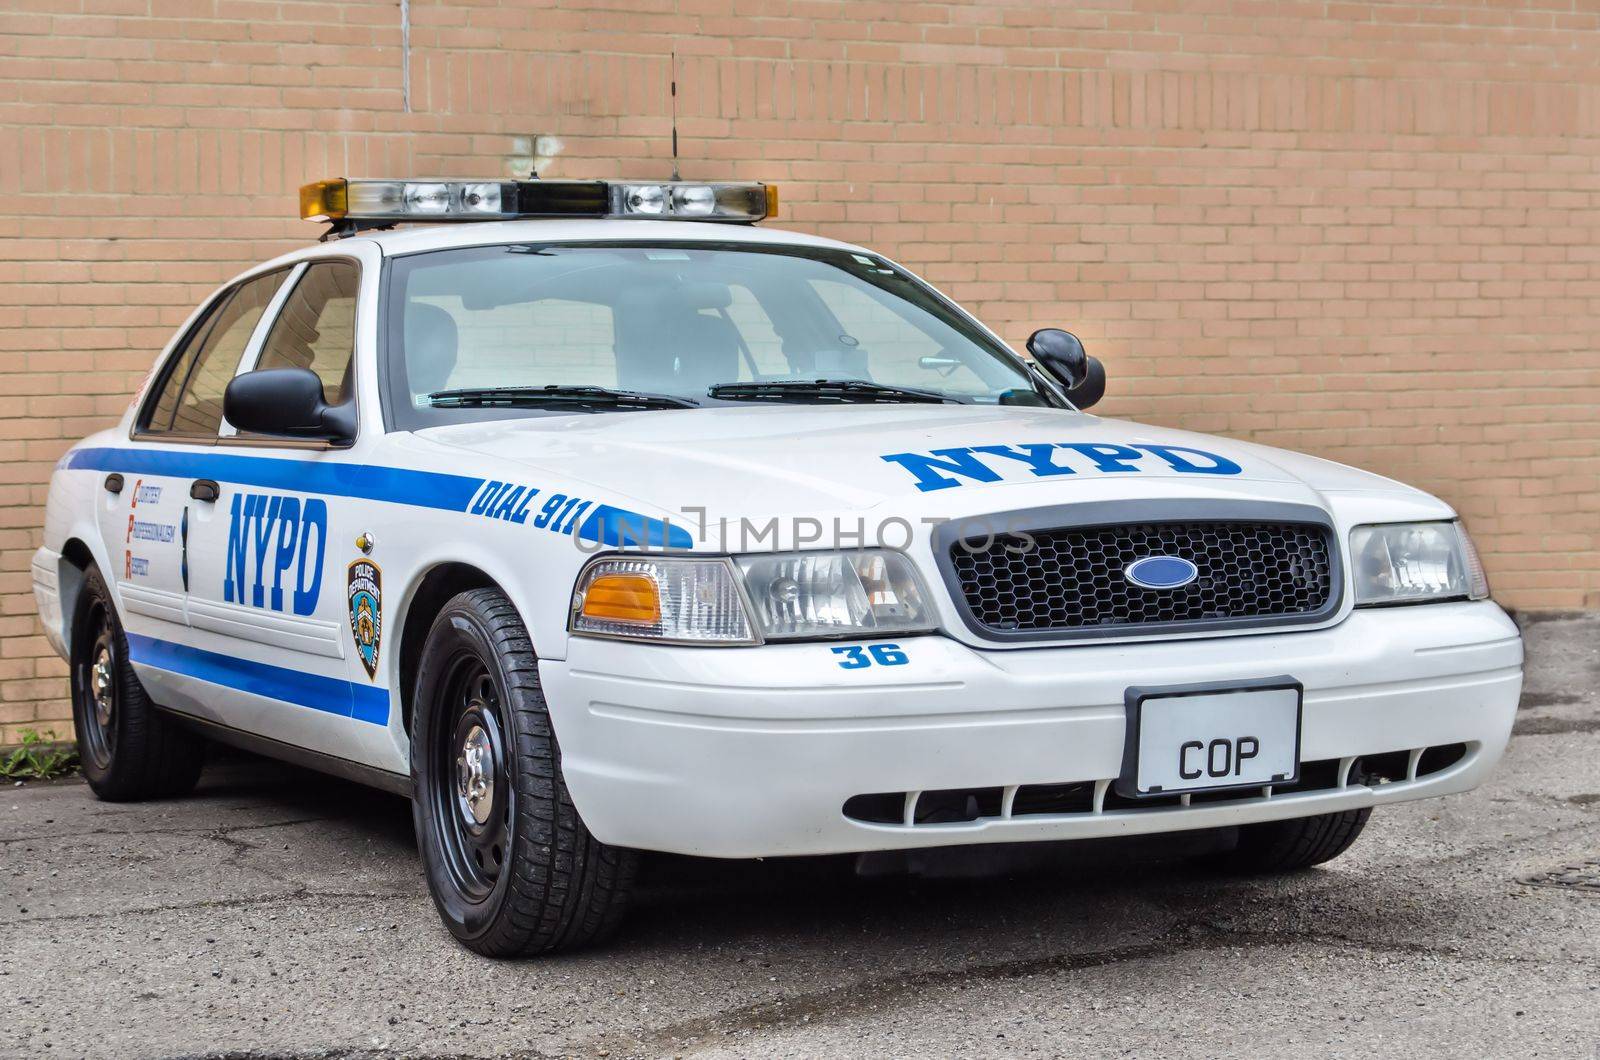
pixel 281 913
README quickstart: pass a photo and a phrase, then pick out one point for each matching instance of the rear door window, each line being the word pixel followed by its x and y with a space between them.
pixel 189 399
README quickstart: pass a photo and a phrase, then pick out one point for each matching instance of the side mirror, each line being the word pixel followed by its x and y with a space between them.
pixel 1061 354
pixel 287 403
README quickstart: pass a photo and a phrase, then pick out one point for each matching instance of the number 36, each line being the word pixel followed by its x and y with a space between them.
pixel 861 656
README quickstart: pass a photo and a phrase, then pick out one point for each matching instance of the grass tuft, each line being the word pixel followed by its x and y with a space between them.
pixel 38 757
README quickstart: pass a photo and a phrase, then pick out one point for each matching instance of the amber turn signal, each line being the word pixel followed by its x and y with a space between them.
pixel 622 597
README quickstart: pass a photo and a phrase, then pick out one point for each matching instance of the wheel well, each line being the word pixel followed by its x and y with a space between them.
pixel 76 559
pixel 77 553
pixel 438 586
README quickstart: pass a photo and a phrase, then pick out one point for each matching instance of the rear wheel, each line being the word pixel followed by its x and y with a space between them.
pixel 1288 846
pixel 510 864
pixel 129 750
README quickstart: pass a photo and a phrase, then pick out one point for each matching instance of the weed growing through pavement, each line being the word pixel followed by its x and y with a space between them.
pixel 39 757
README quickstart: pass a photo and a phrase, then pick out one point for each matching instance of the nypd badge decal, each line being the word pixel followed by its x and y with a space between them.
pixel 366 611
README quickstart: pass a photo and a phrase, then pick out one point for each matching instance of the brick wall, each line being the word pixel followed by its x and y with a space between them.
pixel 1367 230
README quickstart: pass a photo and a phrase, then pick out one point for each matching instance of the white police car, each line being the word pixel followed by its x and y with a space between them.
pixel 611 523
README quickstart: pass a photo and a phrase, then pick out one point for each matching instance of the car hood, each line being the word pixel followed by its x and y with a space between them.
pixel 765 460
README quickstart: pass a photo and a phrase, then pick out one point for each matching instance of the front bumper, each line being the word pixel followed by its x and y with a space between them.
pixel 730 752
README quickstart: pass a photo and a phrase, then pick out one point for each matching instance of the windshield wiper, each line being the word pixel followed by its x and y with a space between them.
pixel 823 390
pixel 581 397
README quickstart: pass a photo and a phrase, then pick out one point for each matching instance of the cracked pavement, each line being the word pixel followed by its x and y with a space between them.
pixel 281 913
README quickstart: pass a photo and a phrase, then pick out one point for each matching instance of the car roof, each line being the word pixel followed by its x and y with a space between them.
pixel 413 238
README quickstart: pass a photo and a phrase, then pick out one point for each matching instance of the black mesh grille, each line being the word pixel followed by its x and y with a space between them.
pixel 1072 578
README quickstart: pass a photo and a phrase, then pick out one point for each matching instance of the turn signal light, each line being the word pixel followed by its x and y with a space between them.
pixel 622 598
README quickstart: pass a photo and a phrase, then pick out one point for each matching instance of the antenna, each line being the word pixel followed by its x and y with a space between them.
pixel 675 114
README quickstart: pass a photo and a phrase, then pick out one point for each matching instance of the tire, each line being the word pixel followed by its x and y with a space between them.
pixel 511 866
pixel 1289 846
pixel 127 748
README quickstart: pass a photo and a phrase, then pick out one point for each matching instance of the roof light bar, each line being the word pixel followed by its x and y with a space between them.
pixel 381 201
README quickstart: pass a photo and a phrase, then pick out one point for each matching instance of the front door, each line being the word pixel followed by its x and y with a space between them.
pixel 269 602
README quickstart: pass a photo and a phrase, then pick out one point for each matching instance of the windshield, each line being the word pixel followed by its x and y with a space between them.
pixel 673 319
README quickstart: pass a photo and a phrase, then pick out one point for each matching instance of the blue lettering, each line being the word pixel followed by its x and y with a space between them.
pixel 263 535
pixel 487 498
pixel 288 535
pixel 260 526
pixel 1219 465
pixel 548 512
pixel 927 469
pixel 1107 457
pixel 1036 456
pixel 507 506
pixel 238 546
pixel 521 514
pixel 315 518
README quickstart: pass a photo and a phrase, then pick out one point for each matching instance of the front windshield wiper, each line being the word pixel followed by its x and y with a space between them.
pixel 581 397
pixel 822 390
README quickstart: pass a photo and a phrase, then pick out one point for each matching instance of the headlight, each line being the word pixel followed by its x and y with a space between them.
pixel 694 601
pixel 1401 563
pixel 785 596
pixel 830 594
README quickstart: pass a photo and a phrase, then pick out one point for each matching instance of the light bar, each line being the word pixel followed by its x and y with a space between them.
pixel 380 201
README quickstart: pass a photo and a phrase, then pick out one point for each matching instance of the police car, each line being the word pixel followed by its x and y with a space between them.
pixel 597 520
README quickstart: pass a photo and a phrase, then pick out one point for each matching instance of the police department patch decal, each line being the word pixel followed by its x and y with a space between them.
pixel 366 611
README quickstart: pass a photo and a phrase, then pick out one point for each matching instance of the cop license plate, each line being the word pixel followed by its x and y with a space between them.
pixel 1206 738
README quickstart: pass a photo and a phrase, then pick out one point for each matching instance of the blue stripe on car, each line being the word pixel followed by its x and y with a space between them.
pixel 422 489
pixel 328 694
pixel 616 527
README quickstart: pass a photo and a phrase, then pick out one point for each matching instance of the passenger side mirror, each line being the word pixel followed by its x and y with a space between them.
pixel 1061 354
pixel 287 403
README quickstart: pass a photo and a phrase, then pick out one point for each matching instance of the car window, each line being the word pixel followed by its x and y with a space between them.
pixel 190 398
pixel 576 343
pixel 897 351
pixel 672 318
pixel 762 348
pixel 315 328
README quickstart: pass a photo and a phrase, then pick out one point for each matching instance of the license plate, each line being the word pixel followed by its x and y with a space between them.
pixel 1211 738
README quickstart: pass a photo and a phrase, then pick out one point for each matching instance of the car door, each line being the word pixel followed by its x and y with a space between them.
pixel 145 507
pixel 271 556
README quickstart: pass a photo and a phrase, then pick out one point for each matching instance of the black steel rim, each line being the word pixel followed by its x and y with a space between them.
pixel 472 799
pixel 97 689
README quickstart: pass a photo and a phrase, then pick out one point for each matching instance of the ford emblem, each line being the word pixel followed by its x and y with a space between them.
pixel 1161 572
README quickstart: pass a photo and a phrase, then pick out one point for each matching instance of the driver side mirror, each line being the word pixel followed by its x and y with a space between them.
pixel 287 403
pixel 1061 354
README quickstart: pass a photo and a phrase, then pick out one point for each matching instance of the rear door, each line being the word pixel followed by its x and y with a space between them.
pixel 146 509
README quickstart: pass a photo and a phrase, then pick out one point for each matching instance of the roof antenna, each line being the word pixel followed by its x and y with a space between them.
pixel 675 114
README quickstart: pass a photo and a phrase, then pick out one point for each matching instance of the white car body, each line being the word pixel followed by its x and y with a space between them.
pixel 755 750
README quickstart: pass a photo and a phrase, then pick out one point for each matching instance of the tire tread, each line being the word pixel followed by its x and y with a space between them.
pixel 156 757
pixel 1298 843
pixel 567 889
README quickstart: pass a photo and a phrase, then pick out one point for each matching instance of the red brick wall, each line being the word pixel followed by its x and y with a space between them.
pixel 1367 230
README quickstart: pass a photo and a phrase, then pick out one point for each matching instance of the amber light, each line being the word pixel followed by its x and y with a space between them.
pixel 324 200
pixel 623 598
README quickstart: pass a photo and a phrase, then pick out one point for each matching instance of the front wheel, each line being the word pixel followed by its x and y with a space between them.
pixel 511 867
pixel 1299 843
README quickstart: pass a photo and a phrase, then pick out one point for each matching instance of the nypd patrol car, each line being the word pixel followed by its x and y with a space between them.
pixel 596 520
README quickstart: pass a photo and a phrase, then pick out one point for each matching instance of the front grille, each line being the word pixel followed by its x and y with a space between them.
pixel 1071 579
pixel 1094 798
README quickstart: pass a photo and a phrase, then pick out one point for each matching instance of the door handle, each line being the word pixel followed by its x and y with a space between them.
pixel 205 489
pixel 114 483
